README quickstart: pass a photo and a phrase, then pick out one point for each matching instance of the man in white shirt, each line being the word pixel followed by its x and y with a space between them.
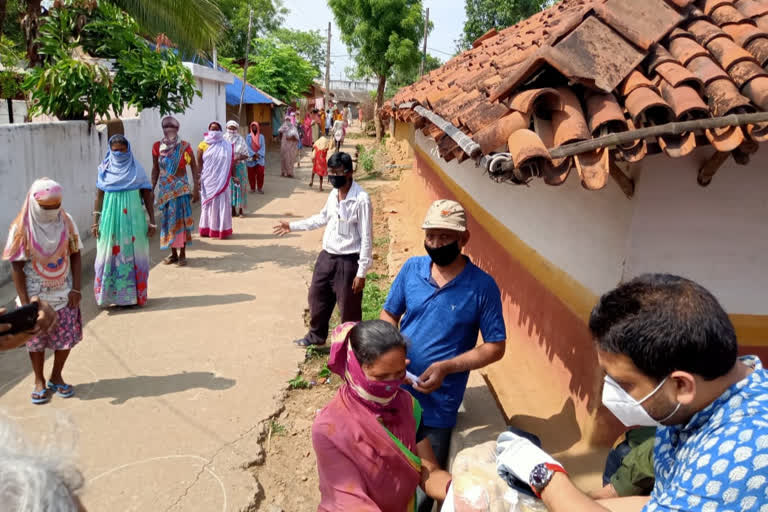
pixel 343 263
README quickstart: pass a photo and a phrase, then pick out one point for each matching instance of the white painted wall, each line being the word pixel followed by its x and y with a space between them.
pixel 715 235
pixel 68 153
pixel 583 232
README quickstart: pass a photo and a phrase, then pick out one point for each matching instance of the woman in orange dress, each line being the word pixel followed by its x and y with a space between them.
pixel 320 160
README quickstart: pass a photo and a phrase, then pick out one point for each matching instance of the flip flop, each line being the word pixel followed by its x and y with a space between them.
pixel 170 259
pixel 41 397
pixel 63 390
pixel 182 263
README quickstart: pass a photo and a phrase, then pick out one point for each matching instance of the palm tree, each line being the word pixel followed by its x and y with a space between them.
pixel 193 25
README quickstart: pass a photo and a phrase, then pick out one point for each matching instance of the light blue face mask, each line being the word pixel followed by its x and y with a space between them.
pixel 628 410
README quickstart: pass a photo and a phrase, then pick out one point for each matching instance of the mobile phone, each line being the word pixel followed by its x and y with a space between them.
pixel 21 319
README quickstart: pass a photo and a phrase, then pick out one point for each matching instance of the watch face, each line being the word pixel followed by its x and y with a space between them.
pixel 540 477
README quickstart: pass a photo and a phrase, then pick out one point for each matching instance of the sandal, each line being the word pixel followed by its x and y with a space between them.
pixel 41 397
pixel 182 262
pixel 169 260
pixel 63 390
pixel 304 342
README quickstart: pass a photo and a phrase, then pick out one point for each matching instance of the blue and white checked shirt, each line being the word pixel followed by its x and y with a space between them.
pixel 718 462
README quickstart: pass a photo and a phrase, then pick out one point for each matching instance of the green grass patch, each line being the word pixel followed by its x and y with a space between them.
pixel 374 297
pixel 382 241
pixel 299 382
pixel 276 428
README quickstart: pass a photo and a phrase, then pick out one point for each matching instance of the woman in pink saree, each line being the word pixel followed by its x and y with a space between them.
pixel 307 141
pixel 371 455
pixel 289 145
pixel 216 159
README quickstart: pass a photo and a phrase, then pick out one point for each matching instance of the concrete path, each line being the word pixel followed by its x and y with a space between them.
pixel 170 396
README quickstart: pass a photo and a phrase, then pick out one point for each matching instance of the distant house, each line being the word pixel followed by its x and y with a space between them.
pixel 558 136
pixel 257 106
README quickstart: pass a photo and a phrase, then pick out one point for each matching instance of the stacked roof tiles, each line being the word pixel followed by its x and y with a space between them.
pixel 587 68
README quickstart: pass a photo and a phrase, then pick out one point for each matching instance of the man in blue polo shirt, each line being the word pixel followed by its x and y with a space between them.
pixel 441 302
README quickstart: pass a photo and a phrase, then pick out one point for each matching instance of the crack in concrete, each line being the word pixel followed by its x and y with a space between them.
pixel 253 505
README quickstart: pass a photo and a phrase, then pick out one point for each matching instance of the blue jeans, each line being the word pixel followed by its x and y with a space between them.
pixel 440 439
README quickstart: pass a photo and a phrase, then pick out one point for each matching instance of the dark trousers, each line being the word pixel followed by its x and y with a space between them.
pixel 332 283
pixel 440 439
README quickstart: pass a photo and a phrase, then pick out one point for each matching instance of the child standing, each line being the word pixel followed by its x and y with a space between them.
pixel 320 160
pixel 44 248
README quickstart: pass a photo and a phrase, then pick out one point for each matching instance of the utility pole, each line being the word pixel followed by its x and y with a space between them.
pixel 327 99
pixel 245 66
pixel 424 52
pixel 215 58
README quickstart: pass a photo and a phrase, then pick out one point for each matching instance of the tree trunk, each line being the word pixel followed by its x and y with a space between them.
pixel 379 103
pixel 3 14
pixel 31 26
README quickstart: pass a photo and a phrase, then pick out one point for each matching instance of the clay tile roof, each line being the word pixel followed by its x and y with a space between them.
pixel 583 69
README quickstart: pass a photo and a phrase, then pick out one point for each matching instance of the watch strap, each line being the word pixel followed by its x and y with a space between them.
pixel 555 468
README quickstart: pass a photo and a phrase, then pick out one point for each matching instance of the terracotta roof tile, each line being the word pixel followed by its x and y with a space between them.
pixel 628 64
pixel 728 53
pixel 604 111
pixel 527 149
pixel 677 75
pixel 752 8
pixel 706 69
pixel 569 124
pixel 685 49
pixel 684 101
pixel 711 5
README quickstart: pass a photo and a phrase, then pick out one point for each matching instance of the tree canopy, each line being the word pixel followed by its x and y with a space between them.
pixel 192 25
pixel 276 68
pixel 268 16
pixel 483 15
pixel 383 35
pixel 73 81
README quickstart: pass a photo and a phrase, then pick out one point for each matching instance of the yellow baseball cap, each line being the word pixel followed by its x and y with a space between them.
pixel 446 214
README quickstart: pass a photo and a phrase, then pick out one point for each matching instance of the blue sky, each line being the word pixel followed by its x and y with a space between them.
pixel 447 16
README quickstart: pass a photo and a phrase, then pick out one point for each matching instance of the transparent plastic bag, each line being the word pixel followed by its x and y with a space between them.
pixel 477 487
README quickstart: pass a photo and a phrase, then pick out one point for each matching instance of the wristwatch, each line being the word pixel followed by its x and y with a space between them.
pixel 542 474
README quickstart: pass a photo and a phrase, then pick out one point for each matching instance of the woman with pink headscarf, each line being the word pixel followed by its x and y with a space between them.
pixel 371 452
pixel 44 249
pixel 289 145
pixel 217 163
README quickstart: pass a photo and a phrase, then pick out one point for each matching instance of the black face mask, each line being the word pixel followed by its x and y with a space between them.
pixel 337 181
pixel 445 255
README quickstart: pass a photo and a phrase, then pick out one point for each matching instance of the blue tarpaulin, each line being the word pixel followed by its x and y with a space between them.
pixel 252 95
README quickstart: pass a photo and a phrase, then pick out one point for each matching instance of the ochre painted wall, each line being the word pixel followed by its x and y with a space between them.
pixel 548 381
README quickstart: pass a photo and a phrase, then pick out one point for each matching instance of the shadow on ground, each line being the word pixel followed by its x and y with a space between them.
pixel 124 389
pixel 242 258
pixel 185 302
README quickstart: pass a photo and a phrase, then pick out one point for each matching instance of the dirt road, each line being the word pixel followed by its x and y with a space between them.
pixel 170 397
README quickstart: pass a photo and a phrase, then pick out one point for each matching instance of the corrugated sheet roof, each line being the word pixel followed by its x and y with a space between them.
pixel 586 68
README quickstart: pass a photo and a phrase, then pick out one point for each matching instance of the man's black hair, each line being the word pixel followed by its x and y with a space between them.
pixel 665 323
pixel 340 159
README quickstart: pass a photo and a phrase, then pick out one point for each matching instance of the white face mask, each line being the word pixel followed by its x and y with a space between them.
pixel 48 216
pixel 628 410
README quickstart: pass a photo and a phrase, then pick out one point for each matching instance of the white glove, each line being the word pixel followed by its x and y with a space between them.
pixel 517 456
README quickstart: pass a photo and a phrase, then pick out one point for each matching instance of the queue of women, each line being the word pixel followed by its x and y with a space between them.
pixel 44 242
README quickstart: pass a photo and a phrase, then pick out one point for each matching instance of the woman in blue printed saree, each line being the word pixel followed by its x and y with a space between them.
pixel 171 157
pixel 120 225
pixel 371 451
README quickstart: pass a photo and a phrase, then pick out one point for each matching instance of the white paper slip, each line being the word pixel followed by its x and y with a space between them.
pixel 411 377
